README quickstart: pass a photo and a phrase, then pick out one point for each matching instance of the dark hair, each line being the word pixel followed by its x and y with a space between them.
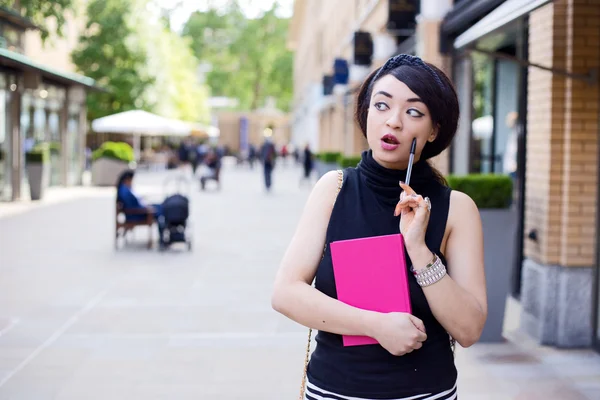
pixel 431 85
pixel 127 174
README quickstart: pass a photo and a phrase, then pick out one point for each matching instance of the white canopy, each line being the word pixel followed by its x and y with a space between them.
pixel 138 122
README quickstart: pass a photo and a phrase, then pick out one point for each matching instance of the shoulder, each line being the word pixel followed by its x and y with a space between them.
pixel 328 184
pixel 460 201
pixel 462 207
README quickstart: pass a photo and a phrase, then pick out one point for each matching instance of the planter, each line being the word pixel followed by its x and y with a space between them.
pixel 106 171
pixel 38 175
pixel 499 234
pixel 323 167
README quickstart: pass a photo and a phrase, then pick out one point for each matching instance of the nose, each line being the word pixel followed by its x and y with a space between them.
pixel 395 120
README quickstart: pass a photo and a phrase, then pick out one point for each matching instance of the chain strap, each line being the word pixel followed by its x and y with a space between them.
pixel 307 356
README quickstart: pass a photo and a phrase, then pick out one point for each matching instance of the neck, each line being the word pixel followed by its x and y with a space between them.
pixel 384 177
pixel 400 165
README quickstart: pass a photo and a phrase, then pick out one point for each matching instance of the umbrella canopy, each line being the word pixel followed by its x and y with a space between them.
pixel 140 122
pixel 205 131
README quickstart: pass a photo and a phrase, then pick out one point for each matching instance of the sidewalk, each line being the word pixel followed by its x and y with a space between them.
pixel 53 195
pixel 520 369
pixel 81 321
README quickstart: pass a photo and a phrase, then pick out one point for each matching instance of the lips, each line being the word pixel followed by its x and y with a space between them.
pixel 389 142
pixel 390 139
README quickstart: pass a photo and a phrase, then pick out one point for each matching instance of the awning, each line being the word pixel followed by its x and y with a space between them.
pixel 139 122
pixel 504 14
pixel 15 18
pixel 19 61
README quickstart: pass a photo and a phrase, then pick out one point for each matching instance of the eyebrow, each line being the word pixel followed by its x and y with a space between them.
pixel 411 100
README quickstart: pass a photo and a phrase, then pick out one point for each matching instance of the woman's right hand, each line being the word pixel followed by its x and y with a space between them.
pixel 399 333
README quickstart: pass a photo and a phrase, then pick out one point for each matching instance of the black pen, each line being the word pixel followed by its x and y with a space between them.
pixel 411 158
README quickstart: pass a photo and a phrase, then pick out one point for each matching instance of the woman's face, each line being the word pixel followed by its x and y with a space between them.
pixel 396 116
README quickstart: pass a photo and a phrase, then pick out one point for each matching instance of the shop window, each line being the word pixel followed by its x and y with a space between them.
pixel 483 119
pixel 11 37
pixel 495 114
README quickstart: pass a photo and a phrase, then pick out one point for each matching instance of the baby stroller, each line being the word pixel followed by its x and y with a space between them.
pixel 174 220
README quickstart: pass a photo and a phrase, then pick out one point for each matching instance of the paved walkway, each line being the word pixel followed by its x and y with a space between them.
pixel 81 321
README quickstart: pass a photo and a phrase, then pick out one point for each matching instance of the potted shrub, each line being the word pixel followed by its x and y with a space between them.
pixel 109 161
pixel 493 195
pixel 38 170
pixel 327 161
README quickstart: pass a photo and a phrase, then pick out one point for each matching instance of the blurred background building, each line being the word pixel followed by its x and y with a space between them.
pixel 42 99
pixel 526 73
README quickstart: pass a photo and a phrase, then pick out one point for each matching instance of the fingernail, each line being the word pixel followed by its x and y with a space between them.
pixel 402 182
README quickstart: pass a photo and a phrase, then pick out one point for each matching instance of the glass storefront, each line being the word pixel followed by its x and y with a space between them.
pixel 40 123
pixel 74 145
pixel 492 91
pixel 5 143
pixel 483 119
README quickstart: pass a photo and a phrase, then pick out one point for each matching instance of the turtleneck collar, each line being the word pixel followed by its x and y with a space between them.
pixel 385 181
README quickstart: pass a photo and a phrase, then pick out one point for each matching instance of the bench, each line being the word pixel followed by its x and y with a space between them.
pixel 123 227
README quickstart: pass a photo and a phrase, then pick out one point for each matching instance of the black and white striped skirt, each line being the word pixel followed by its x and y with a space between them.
pixel 315 393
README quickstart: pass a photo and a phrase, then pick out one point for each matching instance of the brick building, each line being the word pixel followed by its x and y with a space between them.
pixel 526 72
pixel 537 61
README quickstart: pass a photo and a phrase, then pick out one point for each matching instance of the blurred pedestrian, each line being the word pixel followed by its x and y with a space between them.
pixel 268 155
pixel 307 163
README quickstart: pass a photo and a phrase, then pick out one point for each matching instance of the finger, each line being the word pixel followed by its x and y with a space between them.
pixel 408 203
pixel 417 345
pixel 397 210
pixel 407 188
pixel 416 199
pixel 403 204
pixel 417 323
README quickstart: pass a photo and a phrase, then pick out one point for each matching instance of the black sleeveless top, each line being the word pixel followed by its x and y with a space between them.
pixel 365 207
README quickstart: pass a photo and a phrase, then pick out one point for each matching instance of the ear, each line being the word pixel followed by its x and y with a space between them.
pixel 434 133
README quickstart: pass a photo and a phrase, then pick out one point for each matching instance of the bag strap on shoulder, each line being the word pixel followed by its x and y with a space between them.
pixel 340 182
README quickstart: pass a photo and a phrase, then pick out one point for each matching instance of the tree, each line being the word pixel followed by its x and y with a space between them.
pixel 107 53
pixel 176 91
pixel 39 11
pixel 130 52
pixel 249 57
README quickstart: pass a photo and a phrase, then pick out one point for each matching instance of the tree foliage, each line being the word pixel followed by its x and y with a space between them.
pixel 106 53
pixel 40 11
pixel 143 65
pixel 248 57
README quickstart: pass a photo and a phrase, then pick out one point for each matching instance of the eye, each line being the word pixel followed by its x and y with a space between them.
pixel 381 106
pixel 413 112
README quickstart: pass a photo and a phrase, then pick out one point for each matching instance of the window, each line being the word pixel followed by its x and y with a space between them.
pixel 11 37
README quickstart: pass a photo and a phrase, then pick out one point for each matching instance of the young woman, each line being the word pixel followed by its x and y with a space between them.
pixel 404 99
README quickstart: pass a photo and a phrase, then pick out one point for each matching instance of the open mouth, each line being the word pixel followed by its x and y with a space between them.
pixel 390 139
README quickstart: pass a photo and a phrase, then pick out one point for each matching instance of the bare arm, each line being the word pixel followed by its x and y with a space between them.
pixel 458 301
pixel 293 294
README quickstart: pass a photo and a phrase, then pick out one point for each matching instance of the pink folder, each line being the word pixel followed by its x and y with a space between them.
pixel 370 273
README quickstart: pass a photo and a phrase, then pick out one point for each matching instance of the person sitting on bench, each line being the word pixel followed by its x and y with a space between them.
pixel 212 167
pixel 133 206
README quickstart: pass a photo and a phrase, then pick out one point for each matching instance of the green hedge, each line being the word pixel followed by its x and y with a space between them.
pixel 348 161
pixel 115 151
pixel 55 148
pixel 329 156
pixel 40 153
pixel 487 190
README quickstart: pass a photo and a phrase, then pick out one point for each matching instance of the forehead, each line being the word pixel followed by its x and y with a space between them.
pixel 393 86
